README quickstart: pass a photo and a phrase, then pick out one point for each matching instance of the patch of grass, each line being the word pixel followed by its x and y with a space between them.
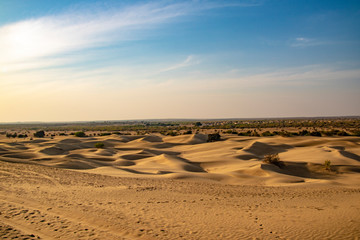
pixel 99 145
pixel 327 165
pixel 274 159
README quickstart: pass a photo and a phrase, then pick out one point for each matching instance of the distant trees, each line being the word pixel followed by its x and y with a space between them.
pixel 11 135
pixel 39 134
pixel 213 137
pixel 80 134
pixel 198 124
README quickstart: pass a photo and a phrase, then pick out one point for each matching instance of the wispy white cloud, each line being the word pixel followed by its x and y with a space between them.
pixel 269 80
pixel 51 35
pixel 306 42
pixel 190 60
pixel 80 29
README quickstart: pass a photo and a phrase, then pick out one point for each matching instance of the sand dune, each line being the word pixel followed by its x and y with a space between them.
pixel 236 158
pixel 156 187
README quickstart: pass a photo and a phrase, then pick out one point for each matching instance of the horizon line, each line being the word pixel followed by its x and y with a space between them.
pixel 179 119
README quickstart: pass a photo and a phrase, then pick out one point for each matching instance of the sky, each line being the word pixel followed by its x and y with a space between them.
pixel 117 60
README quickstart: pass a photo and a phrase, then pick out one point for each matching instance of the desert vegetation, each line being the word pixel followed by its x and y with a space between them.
pixel 327 165
pixel 39 134
pixel 79 134
pixel 274 159
pixel 316 127
pixel 99 145
pixel 213 137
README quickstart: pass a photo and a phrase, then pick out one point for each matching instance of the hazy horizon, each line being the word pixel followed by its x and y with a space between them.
pixel 92 60
pixel 177 119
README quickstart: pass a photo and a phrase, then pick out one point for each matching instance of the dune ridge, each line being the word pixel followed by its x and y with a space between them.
pixel 234 159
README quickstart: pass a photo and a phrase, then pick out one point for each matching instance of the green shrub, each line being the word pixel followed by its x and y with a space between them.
pixel 273 159
pixel 79 134
pixel 99 145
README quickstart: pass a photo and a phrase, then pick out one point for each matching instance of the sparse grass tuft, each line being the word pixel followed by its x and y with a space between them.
pixel 327 165
pixel 273 159
pixel 99 145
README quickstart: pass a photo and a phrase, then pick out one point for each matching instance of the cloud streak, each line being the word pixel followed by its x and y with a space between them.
pixel 303 42
pixel 189 61
pixel 79 30
pixel 51 35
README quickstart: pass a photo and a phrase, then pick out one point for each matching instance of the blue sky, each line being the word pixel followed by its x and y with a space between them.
pixel 113 60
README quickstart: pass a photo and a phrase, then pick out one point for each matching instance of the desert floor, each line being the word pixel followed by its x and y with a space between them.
pixel 156 187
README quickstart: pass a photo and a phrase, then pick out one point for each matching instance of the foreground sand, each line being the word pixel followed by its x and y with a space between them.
pixel 154 187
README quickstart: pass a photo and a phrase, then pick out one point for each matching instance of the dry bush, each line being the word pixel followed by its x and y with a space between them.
pixel 273 159
pixel 327 165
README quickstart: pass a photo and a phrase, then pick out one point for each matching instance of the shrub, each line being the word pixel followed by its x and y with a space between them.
pixel 285 134
pixel 304 133
pixel 105 134
pixel 39 134
pixel 231 131
pixel 188 132
pixel 213 137
pixel 171 133
pixel 99 145
pixel 327 133
pixel 255 134
pixel 315 134
pixel 267 134
pixel 79 134
pixel 198 124
pixel 273 159
pixel 327 165
pixel 11 135
pixel 342 133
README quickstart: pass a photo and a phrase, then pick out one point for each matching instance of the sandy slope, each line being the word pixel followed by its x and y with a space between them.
pixel 235 160
pixel 178 187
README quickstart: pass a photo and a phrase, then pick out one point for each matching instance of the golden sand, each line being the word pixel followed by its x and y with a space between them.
pixel 156 187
